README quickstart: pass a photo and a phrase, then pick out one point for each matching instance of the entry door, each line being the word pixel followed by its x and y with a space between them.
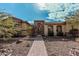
pixel 59 31
pixel 39 27
pixel 50 31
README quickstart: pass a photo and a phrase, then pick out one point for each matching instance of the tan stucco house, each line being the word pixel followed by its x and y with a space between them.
pixel 52 28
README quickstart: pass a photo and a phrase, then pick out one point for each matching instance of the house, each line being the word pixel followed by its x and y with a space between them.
pixel 40 27
pixel 52 28
pixel 18 24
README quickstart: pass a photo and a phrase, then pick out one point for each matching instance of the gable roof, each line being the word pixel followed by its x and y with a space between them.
pixel 4 16
pixel 20 20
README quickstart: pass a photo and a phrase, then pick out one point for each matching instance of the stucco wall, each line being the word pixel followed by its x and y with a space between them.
pixel 68 27
pixel 46 30
pixel 64 29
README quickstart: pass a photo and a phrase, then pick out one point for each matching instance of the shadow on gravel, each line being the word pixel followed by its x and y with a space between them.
pixel 48 38
pixel 11 40
pixel 7 41
pixel 58 38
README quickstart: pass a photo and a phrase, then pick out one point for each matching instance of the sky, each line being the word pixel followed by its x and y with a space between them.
pixel 50 12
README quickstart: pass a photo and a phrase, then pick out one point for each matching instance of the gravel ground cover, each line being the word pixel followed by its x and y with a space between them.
pixel 15 48
pixel 60 47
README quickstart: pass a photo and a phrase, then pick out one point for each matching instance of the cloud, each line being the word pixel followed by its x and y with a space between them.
pixel 47 11
pixel 60 10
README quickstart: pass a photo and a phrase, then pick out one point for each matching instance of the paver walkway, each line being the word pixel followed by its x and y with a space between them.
pixel 38 48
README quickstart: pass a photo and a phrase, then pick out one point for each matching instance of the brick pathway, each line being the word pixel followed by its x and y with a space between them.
pixel 38 48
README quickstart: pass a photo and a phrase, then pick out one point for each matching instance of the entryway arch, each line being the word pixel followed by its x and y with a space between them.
pixel 50 31
pixel 59 30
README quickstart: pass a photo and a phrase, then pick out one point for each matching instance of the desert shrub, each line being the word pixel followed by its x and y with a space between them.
pixel 9 30
pixel 18 41
pixel 24 33
pixel 74 32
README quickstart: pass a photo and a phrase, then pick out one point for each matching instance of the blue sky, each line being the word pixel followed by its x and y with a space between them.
pixel 28 12
pixel 33 11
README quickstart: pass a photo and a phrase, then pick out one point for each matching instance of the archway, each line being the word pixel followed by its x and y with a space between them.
pixel 59 31
pixel 50 31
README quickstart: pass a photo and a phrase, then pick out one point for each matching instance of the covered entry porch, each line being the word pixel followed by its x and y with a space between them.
pixel 54 29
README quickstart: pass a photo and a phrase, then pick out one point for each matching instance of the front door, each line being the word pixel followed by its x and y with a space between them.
pixel 39 27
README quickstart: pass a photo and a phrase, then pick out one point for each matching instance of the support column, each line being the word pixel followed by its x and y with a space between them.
pixel 63 29
pixel 54 30
pixel 46 30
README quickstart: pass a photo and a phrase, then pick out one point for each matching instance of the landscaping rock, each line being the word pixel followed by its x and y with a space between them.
pixel 19 41
pixel 28 45
pixel 6 52
pixel 74 52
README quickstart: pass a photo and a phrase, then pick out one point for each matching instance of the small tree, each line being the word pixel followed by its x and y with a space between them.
pixel 7 28
pixel 73 21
